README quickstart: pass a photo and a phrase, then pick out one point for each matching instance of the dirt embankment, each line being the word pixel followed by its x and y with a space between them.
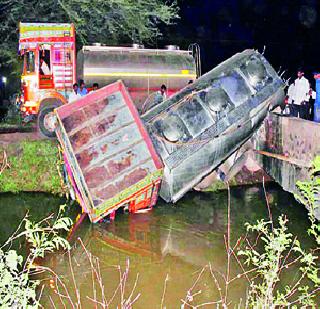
pixel 10 138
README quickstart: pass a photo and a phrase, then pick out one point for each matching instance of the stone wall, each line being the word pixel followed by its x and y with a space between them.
pixel 284 147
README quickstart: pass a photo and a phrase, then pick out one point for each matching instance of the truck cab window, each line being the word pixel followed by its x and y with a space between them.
pixel 62 56
pixel 68 56
pixel 57 55
pixel 29 62
pixel 44 62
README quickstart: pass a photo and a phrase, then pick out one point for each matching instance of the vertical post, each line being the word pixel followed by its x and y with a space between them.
pixel 316 117
pixel 4 81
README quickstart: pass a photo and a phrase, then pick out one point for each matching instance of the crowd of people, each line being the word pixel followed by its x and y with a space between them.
pixel 78 92
pixel 81 91
pixel 299 97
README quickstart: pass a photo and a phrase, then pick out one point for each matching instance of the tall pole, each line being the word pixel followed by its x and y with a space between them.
pixel 4 81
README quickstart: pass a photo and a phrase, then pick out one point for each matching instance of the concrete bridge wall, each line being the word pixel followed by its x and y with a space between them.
pixel 284 147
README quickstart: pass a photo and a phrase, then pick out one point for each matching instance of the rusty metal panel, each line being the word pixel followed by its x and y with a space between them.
pixel 107 149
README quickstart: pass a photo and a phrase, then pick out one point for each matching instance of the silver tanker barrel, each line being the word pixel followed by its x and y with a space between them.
pixel 143 71
pixel 202 125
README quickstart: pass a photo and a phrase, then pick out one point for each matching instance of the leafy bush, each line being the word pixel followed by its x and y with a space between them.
pixel 309 195
pixel 280 251
pixel 17 287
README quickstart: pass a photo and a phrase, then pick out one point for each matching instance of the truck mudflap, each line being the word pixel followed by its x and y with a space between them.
pixel 109 155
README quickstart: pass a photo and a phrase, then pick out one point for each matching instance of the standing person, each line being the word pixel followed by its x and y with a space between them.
pixel 312 97
pixel 300 95
pixel 163 91
pixel 82 90
pixel 160 96
pixel 74 95
pixel 95 86
pixel 44 68
pixel 290 100
pixel 155 99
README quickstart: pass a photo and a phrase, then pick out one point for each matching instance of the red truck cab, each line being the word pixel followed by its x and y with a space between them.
pixel 48 51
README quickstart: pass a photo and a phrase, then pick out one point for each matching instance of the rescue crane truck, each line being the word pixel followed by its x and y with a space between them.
pixel 51 67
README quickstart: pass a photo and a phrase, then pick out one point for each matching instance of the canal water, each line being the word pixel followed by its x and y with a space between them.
pixel 167 248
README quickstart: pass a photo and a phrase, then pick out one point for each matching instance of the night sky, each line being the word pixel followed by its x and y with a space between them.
pixel 290 30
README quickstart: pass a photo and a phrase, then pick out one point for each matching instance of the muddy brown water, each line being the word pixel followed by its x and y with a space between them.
pixel 172 241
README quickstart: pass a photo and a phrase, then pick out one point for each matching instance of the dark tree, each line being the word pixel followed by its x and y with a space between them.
pixel 105 21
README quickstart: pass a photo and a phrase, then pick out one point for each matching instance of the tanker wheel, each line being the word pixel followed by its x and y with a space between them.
pixel 47 119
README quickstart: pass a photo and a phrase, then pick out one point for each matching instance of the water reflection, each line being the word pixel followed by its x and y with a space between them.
pixel 177 240
pixel 13 208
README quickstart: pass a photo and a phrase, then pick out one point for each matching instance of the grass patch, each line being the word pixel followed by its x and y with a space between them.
pixel 33 166
pixel 8 125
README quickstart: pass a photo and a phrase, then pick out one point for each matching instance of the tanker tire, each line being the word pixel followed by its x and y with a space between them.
pixel 44 111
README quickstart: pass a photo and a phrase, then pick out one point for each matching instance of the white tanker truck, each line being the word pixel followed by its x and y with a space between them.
pixel 142 70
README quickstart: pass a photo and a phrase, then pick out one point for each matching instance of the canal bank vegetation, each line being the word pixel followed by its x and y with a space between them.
pixel 18 288
pixel 263 258
pixel 309 195
pixel 31 166
pixel 282 250
pixel 273 251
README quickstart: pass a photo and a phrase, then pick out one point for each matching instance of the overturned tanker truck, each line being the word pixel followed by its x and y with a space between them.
pixel 203 124
pixel 116 158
